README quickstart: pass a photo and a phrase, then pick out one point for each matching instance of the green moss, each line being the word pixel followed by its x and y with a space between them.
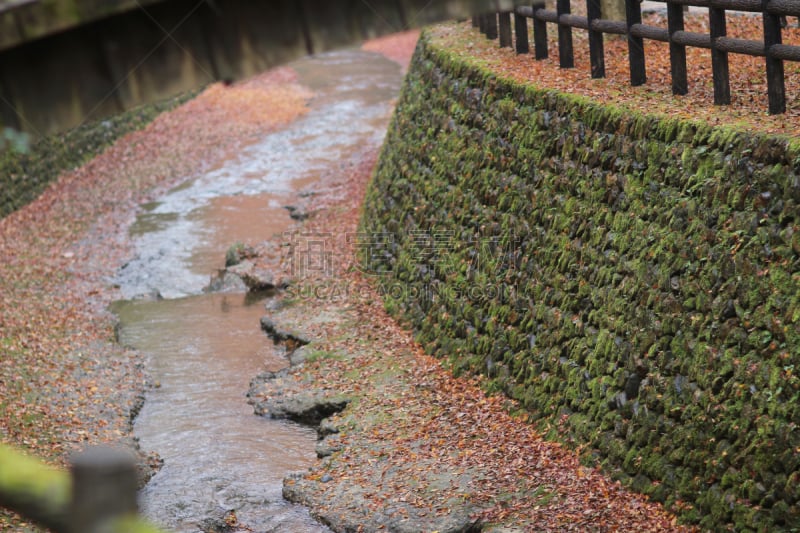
pixel 318 355
pixel 652 264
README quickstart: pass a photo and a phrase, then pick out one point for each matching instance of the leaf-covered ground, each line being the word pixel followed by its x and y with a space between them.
pixel 63 382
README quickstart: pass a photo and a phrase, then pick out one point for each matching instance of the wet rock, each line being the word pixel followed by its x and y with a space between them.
pixel 328 446
pixel 297 212
pixel 328 426
pixel 278 334
pixel 258 382
pixel 298 356
pixel 269 396
pixel 308 407
pixel 151 296
pixel 224 281
pixel 219 521
pixel 255 278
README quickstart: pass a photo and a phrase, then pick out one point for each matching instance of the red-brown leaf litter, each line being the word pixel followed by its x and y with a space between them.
pixel 63 382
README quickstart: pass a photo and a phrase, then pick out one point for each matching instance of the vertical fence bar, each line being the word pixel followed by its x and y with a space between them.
pixel 633 15
pixel 482 24
pixel 505 29
pixel 521 33
pixel 719 59
pixel 677 52
pixel 596 51
pixel 539 34
pixel 776 91
pixel 565 56
pixel 476 21
pixel 491 26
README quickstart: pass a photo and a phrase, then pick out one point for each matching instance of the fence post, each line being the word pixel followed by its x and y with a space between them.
pixel 521 33
pixel 539 34
pixel 719 59
pixel 677 52
pixel 596 51
pixel 565 55
pixel 505 29
pixel 633 15
pixel 491 26
pixel 103 489
pixel 776 91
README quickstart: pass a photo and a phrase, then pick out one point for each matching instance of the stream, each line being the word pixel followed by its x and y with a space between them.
pixel 202 349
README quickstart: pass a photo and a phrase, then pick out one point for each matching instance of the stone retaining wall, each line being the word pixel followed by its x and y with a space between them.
pixel 633 281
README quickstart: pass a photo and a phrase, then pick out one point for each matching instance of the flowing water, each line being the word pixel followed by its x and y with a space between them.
pixel 203 349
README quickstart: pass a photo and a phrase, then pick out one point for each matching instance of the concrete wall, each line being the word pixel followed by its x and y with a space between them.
pixel 64 63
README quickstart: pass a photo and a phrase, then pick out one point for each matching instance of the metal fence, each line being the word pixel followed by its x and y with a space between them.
pixel 771 47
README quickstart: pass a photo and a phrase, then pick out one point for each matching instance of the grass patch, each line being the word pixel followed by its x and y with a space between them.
pixel 315 355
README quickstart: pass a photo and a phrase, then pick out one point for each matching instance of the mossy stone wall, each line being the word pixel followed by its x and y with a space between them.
pixel 633 281
pixel 24 175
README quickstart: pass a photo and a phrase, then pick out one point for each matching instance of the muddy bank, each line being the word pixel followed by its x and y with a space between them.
pixel 297 395
pixel 413 448
pixel 409 448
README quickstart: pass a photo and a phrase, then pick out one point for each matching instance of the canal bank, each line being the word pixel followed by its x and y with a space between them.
pixel 65 383
pixel 415 448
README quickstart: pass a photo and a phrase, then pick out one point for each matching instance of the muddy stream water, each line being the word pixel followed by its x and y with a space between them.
pixel 202 349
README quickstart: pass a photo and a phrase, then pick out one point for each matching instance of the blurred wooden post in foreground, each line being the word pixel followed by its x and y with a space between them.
pixel 98 497
pixel 103 489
